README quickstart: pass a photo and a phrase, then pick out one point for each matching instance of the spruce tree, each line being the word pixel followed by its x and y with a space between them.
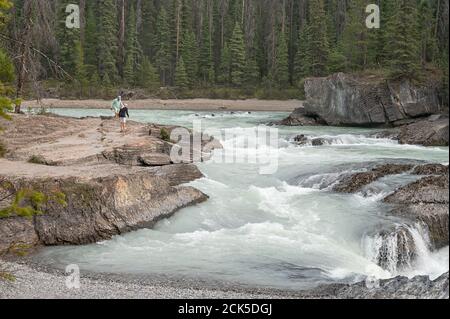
pixel 281 68
pixel 147 76
pixel 224 75
pixel 190 56
pixel 318 42
pixel 205 62
pixel 147 33
pixel 354 41
pixel 428 42
pixel 251 75
pixel 302 63
pixel 181 77
pixel 80 68
pixel 402 44
pixel 132 48
pixel 90 38
pixel 237 55
pixel 67 39
pixel 107 41
pixel 163 55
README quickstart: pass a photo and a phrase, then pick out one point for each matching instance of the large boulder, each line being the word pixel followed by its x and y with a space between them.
pixel 343 99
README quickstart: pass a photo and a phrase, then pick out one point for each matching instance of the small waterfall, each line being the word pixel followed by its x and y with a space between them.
pixel 398 249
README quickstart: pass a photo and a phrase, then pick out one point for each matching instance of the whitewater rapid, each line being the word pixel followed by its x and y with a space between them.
pixel 284 230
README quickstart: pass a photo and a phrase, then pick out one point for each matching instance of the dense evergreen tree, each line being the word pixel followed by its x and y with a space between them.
pixel 133 49
pixel 237 56
pixel 163 55
pixel 281 67
pixel 147 76
pixel 181 76
pixel 302 66
pixel 354 43
pixel 189 53
pixel 68 39
pixel 318 42
pixel 206 68
pixel 107 41
pixel 403 42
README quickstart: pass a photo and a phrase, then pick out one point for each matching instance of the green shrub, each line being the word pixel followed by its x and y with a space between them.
pixel 3 150
pixel 36 159
pixel 165 136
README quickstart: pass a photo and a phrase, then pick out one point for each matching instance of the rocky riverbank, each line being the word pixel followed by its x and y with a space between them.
pixel 113 183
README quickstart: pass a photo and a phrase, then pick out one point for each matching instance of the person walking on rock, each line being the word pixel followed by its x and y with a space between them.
pixel 123 115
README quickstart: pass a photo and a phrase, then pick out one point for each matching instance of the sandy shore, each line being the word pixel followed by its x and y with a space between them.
pixel 191 105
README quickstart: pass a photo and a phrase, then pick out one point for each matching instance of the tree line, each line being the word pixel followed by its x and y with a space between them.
pixel 192 44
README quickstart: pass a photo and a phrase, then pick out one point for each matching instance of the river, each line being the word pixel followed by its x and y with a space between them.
pixel 285 230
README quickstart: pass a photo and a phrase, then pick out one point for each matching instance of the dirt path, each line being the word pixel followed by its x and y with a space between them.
pixel 192 105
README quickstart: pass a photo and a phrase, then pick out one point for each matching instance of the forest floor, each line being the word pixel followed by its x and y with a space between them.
pixel 189 105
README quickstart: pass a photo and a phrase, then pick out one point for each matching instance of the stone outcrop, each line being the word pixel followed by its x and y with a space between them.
pixel 301 118
pixel 429 132
pixel 343 99
pixel 114 183
pixel 371 101
pixel 355 182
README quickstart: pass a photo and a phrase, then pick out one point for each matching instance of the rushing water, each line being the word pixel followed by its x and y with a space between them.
pixel 285 230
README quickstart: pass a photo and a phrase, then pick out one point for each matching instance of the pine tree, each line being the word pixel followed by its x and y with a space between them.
pixel 318 42
pixel 132 48
pixel 237 55
pixel 190 56
pixel 163 55
pixel 281 68
pixel 181 77
pixel 402 44
pixel 107 41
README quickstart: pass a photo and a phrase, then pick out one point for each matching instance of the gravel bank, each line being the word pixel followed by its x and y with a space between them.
pixel 35 284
